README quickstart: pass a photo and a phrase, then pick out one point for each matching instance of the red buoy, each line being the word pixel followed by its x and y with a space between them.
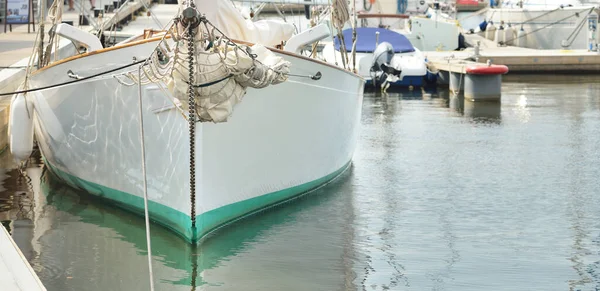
pixel 487 70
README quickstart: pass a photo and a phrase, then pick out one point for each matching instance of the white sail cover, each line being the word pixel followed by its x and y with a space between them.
pixel 222 14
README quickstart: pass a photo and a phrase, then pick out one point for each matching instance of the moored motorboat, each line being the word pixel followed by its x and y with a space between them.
pixel 406 63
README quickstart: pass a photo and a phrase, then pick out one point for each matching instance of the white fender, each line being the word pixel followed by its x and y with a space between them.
pixel 521 40
pixel 500 36
pixel 490 31
pixel 20 127
pixel 509 35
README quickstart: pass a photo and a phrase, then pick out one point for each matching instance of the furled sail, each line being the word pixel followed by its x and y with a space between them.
pixel 222 74
pixel 221 70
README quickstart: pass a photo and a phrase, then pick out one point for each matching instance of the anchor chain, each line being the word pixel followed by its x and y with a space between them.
pixel 190 19
pixel 192 125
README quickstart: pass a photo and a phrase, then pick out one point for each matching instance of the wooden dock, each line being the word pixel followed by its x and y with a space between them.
pixel 15 272
pixel 449 64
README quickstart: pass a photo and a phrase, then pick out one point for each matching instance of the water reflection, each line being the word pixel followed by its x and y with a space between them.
pixel 97 235
pixel 521 109
pixel 457 103
pixel 483 111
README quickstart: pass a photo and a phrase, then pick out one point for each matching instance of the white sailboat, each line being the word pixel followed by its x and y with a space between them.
pixel 268 125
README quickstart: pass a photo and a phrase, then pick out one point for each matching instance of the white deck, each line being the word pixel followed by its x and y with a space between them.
pixel 15 271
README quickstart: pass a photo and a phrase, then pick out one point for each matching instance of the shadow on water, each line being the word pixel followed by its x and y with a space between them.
pixel 485 112
pixel 16 203
pixel 405 93
pixel 169 249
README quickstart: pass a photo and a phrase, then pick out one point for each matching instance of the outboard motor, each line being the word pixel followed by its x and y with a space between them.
pixel 381 65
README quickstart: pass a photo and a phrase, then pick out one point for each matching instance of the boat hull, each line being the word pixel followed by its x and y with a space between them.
pixel 549 28
pixel 281 141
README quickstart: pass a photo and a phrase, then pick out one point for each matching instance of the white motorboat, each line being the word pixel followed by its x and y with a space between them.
pixel 405 62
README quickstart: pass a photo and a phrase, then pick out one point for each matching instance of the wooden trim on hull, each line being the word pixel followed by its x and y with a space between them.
pixel 158 38
pixel 104 50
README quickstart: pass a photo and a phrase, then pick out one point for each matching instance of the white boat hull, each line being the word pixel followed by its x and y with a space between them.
pixel 281 141
pixel 551 30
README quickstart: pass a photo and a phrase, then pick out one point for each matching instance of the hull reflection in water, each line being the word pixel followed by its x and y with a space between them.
pixel 90 237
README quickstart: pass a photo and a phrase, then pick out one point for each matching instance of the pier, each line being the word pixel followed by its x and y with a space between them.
pixel 15 272
pixel 478 81
pixel 524 60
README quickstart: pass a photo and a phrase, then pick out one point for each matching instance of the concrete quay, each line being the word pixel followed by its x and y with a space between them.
pixel 15 272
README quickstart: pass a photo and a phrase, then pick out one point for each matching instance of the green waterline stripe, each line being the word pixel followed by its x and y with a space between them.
pixel 209 222
pixel 228 214
pixel 172 219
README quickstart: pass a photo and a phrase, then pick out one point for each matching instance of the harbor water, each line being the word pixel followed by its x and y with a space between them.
pixel 443 194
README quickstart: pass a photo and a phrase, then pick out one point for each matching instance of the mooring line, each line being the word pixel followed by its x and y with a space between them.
pixel 143 144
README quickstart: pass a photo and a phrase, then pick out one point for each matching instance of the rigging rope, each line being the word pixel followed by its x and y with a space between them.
pixel 550 24
pixel 541 15
pixel 579 27
pixel 339 16
pixel 74 81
